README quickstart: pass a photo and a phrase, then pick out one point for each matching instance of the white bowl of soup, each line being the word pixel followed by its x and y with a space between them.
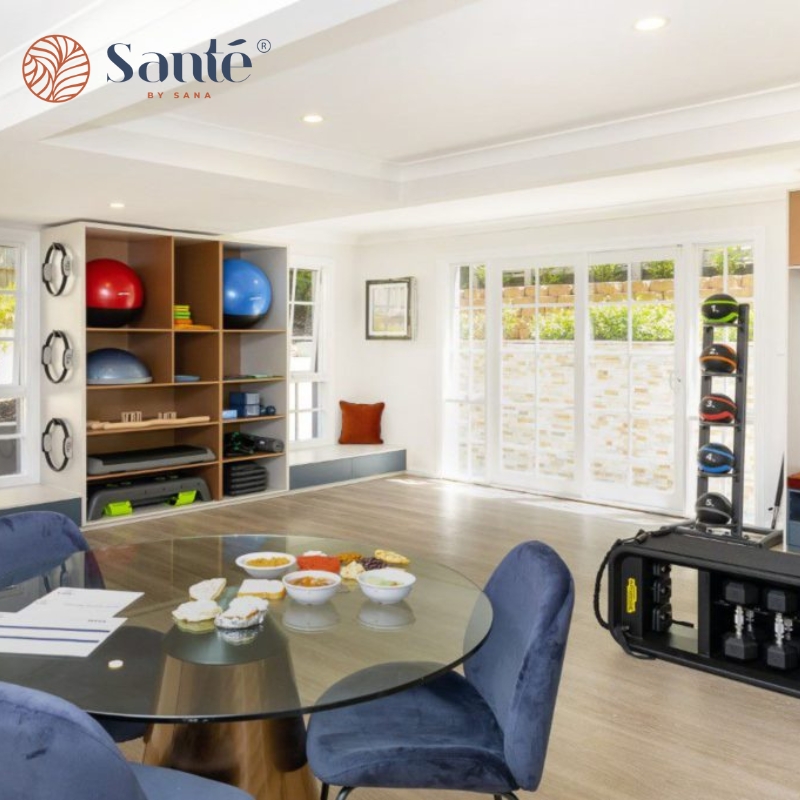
pixel 266 564
pixel 311 587
pixel 386 586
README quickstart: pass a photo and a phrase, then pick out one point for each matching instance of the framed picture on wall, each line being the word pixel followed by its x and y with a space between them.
pixel 390 309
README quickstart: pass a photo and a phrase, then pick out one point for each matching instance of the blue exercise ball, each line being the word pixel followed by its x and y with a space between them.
pixel 111 365
pixel 247 293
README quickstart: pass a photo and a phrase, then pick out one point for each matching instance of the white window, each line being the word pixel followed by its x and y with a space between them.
pixel 19 374
pixel 307 391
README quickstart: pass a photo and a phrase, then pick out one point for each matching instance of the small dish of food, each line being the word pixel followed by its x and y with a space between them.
pixel 312 587
pixel 386 586
pixel 196 616
pixel 242 612
pixel 266 564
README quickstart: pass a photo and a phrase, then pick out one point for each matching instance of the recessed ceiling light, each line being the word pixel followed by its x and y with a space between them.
pixel 313 119
pixel 651 24
pixel 116 205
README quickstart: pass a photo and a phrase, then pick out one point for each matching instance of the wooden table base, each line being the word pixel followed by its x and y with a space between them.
pixel 263 757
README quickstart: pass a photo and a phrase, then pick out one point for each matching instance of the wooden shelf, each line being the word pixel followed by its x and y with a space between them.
pixel 129 330
pixel 253 380
pixel 176 426
pixel 254 330
pixel 234 459
pixel 115 476
pixel 106 386
pixel 241 420
pixel 192 330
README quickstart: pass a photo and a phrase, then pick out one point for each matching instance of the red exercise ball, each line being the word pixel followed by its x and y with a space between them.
pixel 114 293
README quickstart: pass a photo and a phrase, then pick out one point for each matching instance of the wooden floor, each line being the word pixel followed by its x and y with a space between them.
pixel 624 729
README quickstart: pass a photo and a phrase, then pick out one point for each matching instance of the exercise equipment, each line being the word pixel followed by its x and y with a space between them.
pixel 719 359
pixel 48 356
pixel 56 423
pixel 720 308
pixel 741 644
pixel 238 443
pixel 245 478
pixel 713 508
pixel 717 408
pixel 111 365
pixel 114 499
pixel 153 458
pixel 715 459
pixel 114 293
pixel 131 425
pixel 247 293
pixel 57 259
pixel 783 653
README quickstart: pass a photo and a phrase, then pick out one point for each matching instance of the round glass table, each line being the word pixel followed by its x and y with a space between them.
pixel 229 706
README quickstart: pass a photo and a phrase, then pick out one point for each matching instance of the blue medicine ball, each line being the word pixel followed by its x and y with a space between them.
pixel 111 365
pixel 247 293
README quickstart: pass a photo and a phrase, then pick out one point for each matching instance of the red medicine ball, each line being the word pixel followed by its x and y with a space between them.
pixel 114 293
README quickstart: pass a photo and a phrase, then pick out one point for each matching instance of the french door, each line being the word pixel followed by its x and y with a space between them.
pixel 571 372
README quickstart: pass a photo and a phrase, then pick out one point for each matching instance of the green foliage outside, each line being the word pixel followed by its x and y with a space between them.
pixel 740 260
pixel 649 323
pixel 658 270
pixel 608 273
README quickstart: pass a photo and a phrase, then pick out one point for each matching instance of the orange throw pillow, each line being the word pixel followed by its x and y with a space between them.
pixel 361 423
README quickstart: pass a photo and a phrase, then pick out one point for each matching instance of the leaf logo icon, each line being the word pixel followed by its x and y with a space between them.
pixel 56 68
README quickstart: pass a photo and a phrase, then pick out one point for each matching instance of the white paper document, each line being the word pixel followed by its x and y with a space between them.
pixel 53 635
pixel 83 603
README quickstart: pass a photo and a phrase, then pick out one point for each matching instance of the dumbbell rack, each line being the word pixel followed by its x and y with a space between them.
pixel 641 594
pixel 736 475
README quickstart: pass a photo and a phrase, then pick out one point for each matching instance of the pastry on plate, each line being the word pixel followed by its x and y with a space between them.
pixel 260 587
pixel 196 616
pixel 242 612
pixel 351 571
pixel 390 557
pixel 347 557
pixel 208 590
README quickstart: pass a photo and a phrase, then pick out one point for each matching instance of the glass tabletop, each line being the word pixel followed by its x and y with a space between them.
pixel 295 662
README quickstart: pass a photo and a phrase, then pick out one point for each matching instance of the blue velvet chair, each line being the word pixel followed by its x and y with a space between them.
pixel 37 543
pixel 51 750
pixel 486 732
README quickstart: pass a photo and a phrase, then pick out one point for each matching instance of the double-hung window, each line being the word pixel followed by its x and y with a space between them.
pixel 307 395
pixel 18 373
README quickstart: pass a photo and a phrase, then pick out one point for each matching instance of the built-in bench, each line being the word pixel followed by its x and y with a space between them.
pixel 40 498
pixel 317 466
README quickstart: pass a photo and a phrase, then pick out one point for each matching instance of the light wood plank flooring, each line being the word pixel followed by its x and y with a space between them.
pixel 624 729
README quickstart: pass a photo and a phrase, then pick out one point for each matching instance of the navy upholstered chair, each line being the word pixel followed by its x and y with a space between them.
pixel 51 750
pixel 35 545
pixel 486 732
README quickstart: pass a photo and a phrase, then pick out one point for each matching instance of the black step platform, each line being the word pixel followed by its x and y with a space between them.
pixel 145 492
pixel 154 458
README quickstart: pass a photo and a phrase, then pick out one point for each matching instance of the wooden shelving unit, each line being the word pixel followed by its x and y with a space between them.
pixel 175 269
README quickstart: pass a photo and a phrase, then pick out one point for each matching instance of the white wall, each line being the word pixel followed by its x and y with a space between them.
pixel 406 375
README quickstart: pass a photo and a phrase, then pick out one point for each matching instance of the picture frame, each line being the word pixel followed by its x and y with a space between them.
pixel 391 309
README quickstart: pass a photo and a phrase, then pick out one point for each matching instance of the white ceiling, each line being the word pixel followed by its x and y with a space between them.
pixel 436 112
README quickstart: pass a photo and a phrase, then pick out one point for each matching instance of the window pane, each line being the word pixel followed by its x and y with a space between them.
pixel 9 416
pixel 9 262
pixel 557 285
pixel 8 308
pixel 304 285
pixel 10 457
pixel 304 356
pixel 303 321
pixel 7 360
pixel 305 425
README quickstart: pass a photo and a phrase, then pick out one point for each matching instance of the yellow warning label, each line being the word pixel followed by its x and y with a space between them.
pixel 631 596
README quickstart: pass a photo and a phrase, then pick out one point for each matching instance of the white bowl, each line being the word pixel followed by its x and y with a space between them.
pixel 370 583
pixel 265 572
pixel 312 595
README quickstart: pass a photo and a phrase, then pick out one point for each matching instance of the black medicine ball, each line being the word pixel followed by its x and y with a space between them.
pixel 720 308
pixel 719 358
pixel 717 408
pixel 713 508
pixel 715 459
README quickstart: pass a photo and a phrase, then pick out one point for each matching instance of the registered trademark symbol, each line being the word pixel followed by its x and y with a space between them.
pixel 264 45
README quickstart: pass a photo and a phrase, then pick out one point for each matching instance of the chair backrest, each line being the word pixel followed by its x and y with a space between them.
pixel 32 542
pixel 51 750
pixel 518 668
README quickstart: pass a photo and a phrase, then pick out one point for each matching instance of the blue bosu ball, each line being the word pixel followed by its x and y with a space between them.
pixel 110 365
pixel 247 293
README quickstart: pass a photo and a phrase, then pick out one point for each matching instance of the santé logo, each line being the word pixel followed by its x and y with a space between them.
pixel 56 68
